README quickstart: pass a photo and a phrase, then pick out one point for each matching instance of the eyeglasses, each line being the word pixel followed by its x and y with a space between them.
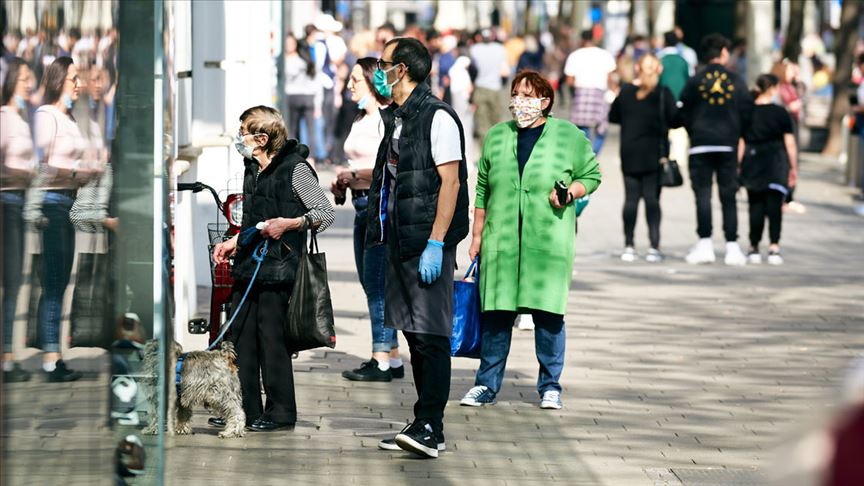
pixel 240 133
pixel 380 63
pixel 75 79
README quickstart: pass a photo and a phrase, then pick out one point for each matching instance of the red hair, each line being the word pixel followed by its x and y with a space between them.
pixel 537 84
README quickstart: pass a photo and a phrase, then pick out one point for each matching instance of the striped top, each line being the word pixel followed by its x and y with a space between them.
pixel 310 193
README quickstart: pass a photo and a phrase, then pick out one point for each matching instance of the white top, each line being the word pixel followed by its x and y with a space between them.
pixel 590 66
pixel 361 145
pixel 16 144
pixel 444 139
pixel 60 142
pixel 297 82
pixel 491 61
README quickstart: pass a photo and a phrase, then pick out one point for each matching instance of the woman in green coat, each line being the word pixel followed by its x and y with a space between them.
pixel 525 236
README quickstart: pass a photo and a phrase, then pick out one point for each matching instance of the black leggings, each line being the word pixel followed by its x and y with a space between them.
pixel 767 203
pixel 642 186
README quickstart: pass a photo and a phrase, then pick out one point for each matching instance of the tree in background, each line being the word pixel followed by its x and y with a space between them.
pixel 844 50
pixel 794 31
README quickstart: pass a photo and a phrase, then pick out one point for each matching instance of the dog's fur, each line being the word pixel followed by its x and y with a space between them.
pixel 208 378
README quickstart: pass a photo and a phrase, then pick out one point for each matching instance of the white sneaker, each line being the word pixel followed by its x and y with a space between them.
pixel 525 322
pixel 754 258
pixel 734 255
pixel 654 256
pixel 774 258
pixel 701 252
pixel 551 400
pixel 629 255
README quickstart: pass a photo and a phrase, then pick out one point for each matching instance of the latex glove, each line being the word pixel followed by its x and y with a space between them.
pixel 430 261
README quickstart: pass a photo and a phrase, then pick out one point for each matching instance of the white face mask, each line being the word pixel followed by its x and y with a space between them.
pixel 242 148
pixel 526 110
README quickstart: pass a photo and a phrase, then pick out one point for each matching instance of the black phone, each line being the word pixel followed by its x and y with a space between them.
pixel 561 192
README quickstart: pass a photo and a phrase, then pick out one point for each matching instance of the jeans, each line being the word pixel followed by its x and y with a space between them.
pixel 702 170
pixel 646 187
pixel 549 344
pixel 595 137
pixel 371 267
pixel 13 259
pixel 324 126
pixel 58 251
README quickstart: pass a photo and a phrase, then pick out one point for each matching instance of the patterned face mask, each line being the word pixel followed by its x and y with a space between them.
pixel 525 110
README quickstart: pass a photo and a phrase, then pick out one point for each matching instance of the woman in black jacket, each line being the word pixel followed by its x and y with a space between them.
pixel 644 139
pixel 274 164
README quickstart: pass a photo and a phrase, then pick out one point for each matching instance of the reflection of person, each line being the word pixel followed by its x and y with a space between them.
pixel 637 109
pixel 62 146
pixel 525 236
pixel 361 148
pixel 18 167
pixel 769 168
pixel 419 192
pixel 273 164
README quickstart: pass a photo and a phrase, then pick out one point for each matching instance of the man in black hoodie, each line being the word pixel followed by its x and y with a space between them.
pixel 715 109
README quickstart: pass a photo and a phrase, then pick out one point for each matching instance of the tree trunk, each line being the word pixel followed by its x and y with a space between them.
pixel 792 44
pixel 844 50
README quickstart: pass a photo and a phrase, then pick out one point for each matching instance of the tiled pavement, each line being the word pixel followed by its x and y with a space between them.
pixel 675 374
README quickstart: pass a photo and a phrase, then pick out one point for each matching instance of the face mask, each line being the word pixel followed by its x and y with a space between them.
pixel 363 101
pixel 21 103
pixel 67 101
pixel 242 148
pixel 380 82
pixel 525 110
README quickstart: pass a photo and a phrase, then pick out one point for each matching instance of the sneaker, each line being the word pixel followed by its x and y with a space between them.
pixel 734 255
pixel 774 258
pixel 62 374
pixel 16 374
pixel 478 396
pixel 390 444
pixel 701 252
pixel 418 438
pixel 754 258
pixel 629 254
pixel 525 322
pixel 368 371
pixel 397 373
pixel 654 256
pixel 551 400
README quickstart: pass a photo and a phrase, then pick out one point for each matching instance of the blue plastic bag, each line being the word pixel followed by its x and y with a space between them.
pixel 465 341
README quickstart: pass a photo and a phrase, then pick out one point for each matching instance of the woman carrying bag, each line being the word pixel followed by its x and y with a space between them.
pixel 526 235
pixel 281 190
pixel 644 111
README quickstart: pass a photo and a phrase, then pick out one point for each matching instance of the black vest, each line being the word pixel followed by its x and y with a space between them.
pixel 417 179
pixel 271 195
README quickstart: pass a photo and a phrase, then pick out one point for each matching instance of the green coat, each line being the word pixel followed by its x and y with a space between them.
pixel 530 269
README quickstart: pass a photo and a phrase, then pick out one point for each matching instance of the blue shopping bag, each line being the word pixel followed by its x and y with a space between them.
pixel 465 341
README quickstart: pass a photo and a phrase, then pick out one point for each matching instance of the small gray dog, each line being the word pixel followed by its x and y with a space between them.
pixel 207 378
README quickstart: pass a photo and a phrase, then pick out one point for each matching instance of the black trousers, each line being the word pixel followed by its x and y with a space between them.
pixel 301 108
pixel 646 187
pixel 260 344
pixel 430 362
pixel 702 170
pixel 765 204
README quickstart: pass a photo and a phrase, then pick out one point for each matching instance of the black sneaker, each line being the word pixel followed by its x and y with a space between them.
pixel 398 372
pixel 418 438
pixel 368 371
pixel 62 374
pixel 16 374
pixel 391 445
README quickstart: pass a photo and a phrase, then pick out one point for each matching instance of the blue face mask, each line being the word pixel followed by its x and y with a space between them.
pixel 380 82
pixel 364 101
pixel 21 103
pixel 67 101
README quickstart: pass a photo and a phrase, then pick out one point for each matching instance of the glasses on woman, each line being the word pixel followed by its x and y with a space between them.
pixel 75 79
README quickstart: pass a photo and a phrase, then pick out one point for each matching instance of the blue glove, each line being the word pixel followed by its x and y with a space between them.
pixel 430 261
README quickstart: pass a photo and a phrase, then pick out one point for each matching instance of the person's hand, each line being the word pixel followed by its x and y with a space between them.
pixel 430 261
pixel 553 199
pixel 344 177
pixel 793 177
pixel 225 250
pixel 276 227
pixel 336 188
pixel 111 223
pixel 474 250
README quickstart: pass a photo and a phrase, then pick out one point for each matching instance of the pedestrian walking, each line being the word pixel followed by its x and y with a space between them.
pixel 525 235
pixel 490 59
pixel 280 189
pixel 644 113
pixel 589 72
pixel 769 169
pixel 420 195
pixel 361 148
pixel 302 92
pixel 715 107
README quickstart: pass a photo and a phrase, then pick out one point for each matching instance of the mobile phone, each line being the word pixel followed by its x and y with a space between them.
pixel 561 192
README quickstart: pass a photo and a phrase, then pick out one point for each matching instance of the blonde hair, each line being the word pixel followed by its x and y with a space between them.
pixel 266 120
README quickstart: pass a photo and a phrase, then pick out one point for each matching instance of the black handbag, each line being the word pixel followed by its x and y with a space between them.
pixel 309 323
pixel 90 319
pixel 670 175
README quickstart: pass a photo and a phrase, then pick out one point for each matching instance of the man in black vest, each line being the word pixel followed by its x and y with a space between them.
pixel 420 191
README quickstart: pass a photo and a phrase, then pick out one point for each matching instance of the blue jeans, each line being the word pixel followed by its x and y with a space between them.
pixel 371 267
pixel 595 137
pixel 13 259
pixel 549 343
pixel 58 251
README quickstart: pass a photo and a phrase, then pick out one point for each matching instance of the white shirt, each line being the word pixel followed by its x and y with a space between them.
pixel 444 138
pixel 590 66
pixel 361 145
pixel 491 60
